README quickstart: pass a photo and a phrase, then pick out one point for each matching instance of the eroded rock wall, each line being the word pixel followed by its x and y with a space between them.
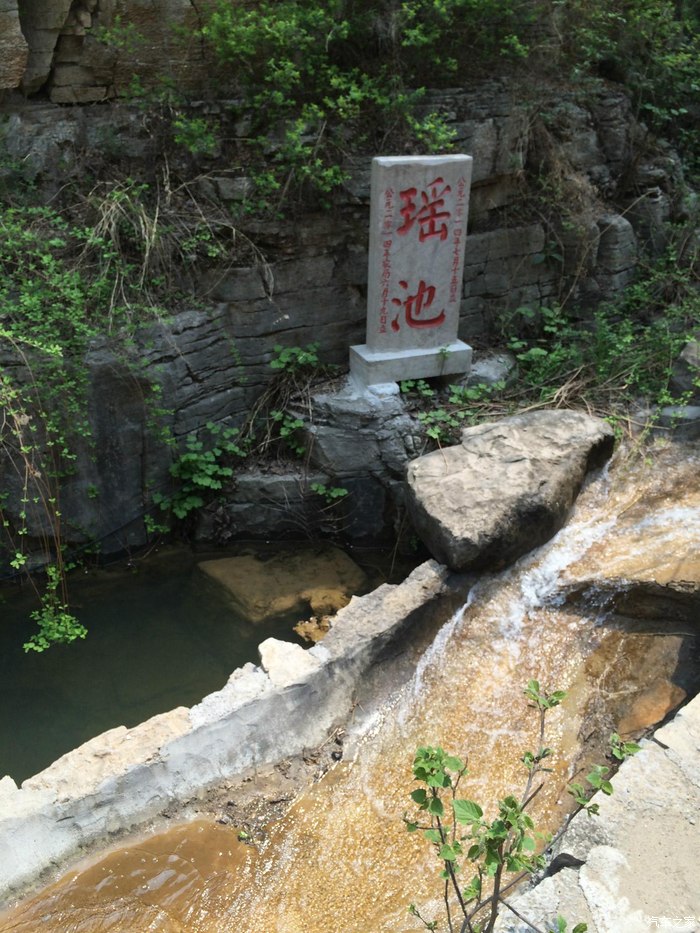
pixel 14 50
pixel 82 51
pixel 308 280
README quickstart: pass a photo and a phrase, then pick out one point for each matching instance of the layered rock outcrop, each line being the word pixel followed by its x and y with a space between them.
pixel 83 51
pixel 14 50
pixel 308 281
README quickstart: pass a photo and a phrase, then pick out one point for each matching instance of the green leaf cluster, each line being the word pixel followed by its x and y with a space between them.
pixel 620 749
pixel 331 494
pixel 201 470
pixel 465 840
pixel 296 360
pixel 419 387
pixel 337 72
pixel 288 429
pixel 55 622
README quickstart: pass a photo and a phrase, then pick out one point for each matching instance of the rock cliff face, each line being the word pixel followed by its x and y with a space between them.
pixel 82 51
pixel 14 50
pixel 212 363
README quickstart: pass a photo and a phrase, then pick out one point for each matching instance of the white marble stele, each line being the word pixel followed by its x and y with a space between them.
pixel 418 227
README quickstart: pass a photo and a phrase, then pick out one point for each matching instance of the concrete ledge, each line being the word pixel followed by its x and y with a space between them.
pixel 638 858
pixel 127 776
pixel 372 367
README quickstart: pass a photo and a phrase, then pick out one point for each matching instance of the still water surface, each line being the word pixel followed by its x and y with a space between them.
pixel 159 636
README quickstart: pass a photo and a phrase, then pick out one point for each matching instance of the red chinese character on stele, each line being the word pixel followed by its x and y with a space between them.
pixel 428 213
pixel 414 306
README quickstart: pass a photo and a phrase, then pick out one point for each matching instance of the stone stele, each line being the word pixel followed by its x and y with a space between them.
pixel 418 226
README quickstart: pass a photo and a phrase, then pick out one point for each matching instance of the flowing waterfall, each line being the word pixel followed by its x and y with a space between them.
pixel 340 858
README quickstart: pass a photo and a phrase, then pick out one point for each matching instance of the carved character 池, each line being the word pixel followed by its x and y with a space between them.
pixel 414 305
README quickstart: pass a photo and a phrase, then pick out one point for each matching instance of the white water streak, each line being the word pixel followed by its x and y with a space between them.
pixel 533 583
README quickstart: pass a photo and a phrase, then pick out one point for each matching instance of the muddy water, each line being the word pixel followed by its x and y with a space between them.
pixel 341 859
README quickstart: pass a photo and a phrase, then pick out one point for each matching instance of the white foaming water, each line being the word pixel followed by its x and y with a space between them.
pixel 429 657
pixel 540 585
pixel 530 584
pixel 672 517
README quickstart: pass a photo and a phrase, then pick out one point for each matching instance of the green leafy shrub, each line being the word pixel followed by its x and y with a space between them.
pixel 328 73
pixel 196 134
pixel 653 46
pixel 477 853
pixel 201 470
pixel 336 71
pixel 624 351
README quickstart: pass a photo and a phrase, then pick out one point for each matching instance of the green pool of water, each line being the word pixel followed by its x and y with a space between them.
pixel 161 636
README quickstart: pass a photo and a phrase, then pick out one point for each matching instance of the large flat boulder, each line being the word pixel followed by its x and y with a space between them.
pixel 506 489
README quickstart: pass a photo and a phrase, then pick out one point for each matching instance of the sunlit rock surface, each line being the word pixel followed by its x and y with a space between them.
pixel 653 569
pixel 342 850
pixel 639 856
pixel 507 488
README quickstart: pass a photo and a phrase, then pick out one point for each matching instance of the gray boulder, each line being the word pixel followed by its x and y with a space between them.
pixel 506 489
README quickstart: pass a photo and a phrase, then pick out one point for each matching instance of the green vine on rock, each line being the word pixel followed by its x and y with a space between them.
pixel 201 470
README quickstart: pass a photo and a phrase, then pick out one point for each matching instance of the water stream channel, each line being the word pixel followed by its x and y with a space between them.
pixel 340 858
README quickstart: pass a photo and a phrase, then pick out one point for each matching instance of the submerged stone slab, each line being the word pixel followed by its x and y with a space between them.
pixel 507 488
pixel 323 579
